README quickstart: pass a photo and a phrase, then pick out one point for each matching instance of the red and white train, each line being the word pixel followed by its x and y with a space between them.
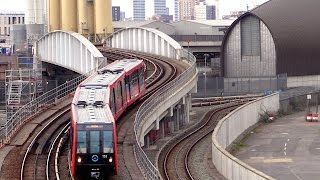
pixel 97 104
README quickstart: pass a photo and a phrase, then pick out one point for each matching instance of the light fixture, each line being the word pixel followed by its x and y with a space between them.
pixel 79 159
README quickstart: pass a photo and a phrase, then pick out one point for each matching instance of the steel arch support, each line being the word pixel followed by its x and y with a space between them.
pixel 68 49
pixel 147 40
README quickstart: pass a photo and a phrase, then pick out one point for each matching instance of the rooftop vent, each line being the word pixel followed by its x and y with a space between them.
pixel 112 71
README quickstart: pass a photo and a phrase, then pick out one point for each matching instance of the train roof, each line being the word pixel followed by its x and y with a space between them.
pixel 92 95
pixel 107 75
pixel 90 105
pixel 124 64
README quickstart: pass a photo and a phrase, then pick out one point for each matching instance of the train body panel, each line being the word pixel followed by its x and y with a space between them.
pixel 98 102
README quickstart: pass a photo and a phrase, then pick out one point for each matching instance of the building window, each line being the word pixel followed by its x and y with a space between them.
pixel 9 20
pixel 22 20
pixel 250 36
pixel 5 30
pixel 18 20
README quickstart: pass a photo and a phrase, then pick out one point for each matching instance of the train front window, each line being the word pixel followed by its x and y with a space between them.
pixel 107 142
pixel 81 142
pixel 94 142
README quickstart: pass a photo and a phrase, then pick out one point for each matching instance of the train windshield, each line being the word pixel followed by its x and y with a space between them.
pixel 94 142
pixel 107 142
pixel 81 142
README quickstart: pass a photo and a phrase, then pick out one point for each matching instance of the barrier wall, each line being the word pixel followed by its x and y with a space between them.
pixel 229 128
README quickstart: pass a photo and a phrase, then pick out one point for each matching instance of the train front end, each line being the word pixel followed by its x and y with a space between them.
pixel 95 151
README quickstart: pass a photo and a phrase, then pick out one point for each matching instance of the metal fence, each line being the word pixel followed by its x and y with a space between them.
pixel 36 106
pixel 147 168
pixel 39 104
pixel 217 86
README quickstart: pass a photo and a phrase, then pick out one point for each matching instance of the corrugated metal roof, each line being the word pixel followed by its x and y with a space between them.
pixel 127 24
pixel 214 22
pixel 294 27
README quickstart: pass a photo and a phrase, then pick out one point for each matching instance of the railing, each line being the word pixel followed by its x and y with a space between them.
pixel 147 108
pixel 38 105
pixel 35 107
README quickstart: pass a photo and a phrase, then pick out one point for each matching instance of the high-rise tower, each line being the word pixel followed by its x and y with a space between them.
pixel 186 9
pixel 176 10
pixel 217 9
pixel 139 10
pixel 160 7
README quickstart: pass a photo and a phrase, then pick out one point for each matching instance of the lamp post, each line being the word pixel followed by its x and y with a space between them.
pixel 205 74
pixel 188 50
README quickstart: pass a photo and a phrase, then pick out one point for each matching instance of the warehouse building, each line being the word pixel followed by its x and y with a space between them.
pixel 280 37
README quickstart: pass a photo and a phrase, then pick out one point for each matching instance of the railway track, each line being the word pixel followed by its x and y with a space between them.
pixel 38 158
pixel 160 71
pixel 36 162
pixel 173 161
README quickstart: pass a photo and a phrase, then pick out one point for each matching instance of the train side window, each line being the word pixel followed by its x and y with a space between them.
pixel 123 91
pixel 112 106
pixel 107 142
pixel 133 82
pixel 127 81
pixel 94 142
pixel 141 78
pixel 81 142
pixel 118 94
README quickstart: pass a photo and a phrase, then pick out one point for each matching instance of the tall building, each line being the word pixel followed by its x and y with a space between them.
pixel 122 15
pixel 176 10
pixel 160 7
pixel 139 10
pixel 115 13
pixel 200 11
pixel 6 22
pixel 211 12
pixel 186 9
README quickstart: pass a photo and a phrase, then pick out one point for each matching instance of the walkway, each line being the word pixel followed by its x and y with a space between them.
pixel 287 149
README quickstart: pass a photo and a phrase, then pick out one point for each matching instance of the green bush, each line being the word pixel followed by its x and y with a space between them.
pixel 297 104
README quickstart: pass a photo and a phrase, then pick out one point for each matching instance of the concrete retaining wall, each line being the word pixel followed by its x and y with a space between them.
pixel 229 128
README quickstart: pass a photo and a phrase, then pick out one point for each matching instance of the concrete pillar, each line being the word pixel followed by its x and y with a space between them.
pixel 182 114
pixel 171 124
pixel 188 106
pixel 147 144
pixel 162 126
pixel 176 119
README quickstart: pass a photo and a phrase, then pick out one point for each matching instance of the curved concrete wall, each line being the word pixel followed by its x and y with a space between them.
pixel 229 128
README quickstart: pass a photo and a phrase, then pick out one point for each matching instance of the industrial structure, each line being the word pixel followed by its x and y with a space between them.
pixel 267 42
pixel 92 19
pixel 22 86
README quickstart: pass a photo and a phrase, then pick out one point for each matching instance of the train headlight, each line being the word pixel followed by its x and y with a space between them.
pixel 79 159
pixel 110 159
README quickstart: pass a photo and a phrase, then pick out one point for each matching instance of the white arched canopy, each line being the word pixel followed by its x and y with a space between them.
pixel 147 40
pixel 68 49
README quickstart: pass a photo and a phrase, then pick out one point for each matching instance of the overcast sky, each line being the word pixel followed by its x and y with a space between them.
pixel 126 5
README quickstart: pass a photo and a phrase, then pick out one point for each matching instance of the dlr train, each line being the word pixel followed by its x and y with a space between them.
pixel 97 104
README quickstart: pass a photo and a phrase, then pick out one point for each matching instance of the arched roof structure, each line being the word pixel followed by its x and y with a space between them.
pixel 70 50
pixel 147 40
pixel 294 27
